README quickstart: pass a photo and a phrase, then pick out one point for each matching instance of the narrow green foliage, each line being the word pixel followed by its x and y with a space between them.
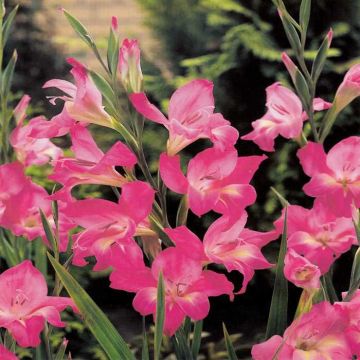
pixel 292 35
pixel 181 345
pixel 61 352
pixel 40 256
pixel 160 317
pixel 302 89
pixel 182 213
pixel 49 233
pixel 328 287
pixel 8 75
pixel 305 9
pixel 196 342
pixel 97 322
pixel 113 53
pixel 145 345
pixel 320 59
pixel 355 274
pixel 8 23
pixel 277 321
pixel 80 29
pixel 229 346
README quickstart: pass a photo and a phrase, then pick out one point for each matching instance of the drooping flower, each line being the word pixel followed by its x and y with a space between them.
pixel 301 272
pixel 317 335
pixel 317 234
pixel 284 116
pixel 5 354
pixel 187 286
pixel 129 66
pixel 25 306
pixel 83 101
pixel 216 180
pixel 109 225
pixel 91 165
pixel 335 177
pixel 30 150
pixel 191 117
pixel 233 246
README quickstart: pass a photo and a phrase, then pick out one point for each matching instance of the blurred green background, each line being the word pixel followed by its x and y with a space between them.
pixel 235 43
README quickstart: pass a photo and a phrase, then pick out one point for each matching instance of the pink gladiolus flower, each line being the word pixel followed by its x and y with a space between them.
pixel 216 180
pixel 109 225
pixel 30 150
pixel 20 202
pixel 83 101
pixel 191 117
pixel 90 165
pixel 5 354
pixel 187 286
pixel 25 306
pixel 317 335
pixel 349 89
pixel 335 177
pixel 301 272
pixel 129 66
pixel 284 116
pixel 232 245
pixel 317 234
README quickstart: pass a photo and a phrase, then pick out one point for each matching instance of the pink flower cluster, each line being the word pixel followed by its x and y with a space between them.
pixel 217 179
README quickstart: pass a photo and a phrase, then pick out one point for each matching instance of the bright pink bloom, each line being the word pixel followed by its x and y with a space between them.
pixel 349 89
pixel 335 177
pixel 28 149
pixel 20 202
pixel 301 272
pixel 191 117
pixel 187 287
pixel 5 354
pixel 216 180
pixel 129 66
pixel 25 306
pixel 317 234
pixel 284 116
pixel 91 165
pixel 352 310
pixel 317 335
pixel 232 245
pixel 109 225
pixel 83 101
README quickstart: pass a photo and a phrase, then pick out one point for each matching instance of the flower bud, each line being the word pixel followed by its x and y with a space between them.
pixel 129 66
pixel 349 89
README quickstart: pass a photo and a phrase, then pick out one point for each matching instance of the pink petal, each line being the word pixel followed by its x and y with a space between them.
pixel 171 173
pixel 195 305
pixel 313 159
pixel 148 110
pixel 145 301
pixel 195 96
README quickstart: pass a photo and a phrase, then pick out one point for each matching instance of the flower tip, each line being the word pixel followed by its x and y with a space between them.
pixel 330 36
pixel 114 23
pixel 61 9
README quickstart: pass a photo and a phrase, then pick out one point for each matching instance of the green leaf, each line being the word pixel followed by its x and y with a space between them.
pixel 8 74
pixel 328 287
pixel 355 276
pixel 305 9
pixel 40 256
pixel 145 344
pixel 48 232
pixel 160 317
pixel 320 59
pixel 277 321
pixel 181 345
pixel 229 346
pixel 196 342
pixel 292 35
pixel 61 352
pixel 97 322
pixel 80 29
pixel 8 23
pixel 302 89
pixel 113 52
pixel 182 213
